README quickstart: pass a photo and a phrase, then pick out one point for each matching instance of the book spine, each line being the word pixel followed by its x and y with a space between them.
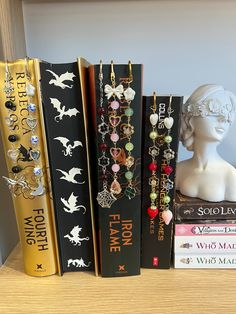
pixel 119 221
pixel 210 229
pixel 30 195
pixel 156 235
pixel 193 211
pixel 205 261
pixel 205 244
pixel 67 145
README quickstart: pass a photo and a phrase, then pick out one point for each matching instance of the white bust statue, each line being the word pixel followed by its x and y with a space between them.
pixel 206 118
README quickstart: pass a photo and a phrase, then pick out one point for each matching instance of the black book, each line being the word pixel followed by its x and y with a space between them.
pixel 64 110
pixel 156 235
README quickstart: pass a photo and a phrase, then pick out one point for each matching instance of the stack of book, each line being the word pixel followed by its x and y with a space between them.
pixel 205 234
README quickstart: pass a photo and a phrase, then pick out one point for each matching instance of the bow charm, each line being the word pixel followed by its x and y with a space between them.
pixel 117 91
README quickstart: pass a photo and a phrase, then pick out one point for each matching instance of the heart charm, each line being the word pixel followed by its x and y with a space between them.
pixel 168 122
pixel 31 122
pixel 35 154
pixel 152 213
pixel 153 119
pixel 13 154
pixel 114 120
pixel 115 187
pixel 167 216
pixel 115 152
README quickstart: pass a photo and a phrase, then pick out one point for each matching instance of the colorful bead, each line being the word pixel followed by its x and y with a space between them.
pixel 104 176
pixel 129 147
pixel 115 168
pixel 168 139
pixel 153 196
pixel 153 135
pixel 12 138
pixel 114 137
pixel 16 169
pixel 115 105
pixel 129 175
pixel 152 212
pixel 101 111
pixel 31 107
pixel 166 199
pixel 37 171
pixel 129 112
pixel 10 105
pixel 103 147
pixel 168 169
pixel 34 139
pixel 152 166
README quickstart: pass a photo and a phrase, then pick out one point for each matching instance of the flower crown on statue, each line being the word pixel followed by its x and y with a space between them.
pixel 211 107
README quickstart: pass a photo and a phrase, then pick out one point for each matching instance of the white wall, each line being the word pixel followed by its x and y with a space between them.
pixel 182 44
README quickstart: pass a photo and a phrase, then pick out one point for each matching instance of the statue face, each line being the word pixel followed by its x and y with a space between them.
pixel 210 128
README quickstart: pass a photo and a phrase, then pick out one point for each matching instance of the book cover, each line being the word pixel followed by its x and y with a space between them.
pixel 205 261
pixel 64 110
pixel 25 157
pixel 156 234
pixel 205 244
pixel 189 208
pixel 116 108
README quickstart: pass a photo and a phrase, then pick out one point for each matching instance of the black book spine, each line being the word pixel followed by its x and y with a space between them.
pixel 156 235
pixel 66 144
pixel 120 224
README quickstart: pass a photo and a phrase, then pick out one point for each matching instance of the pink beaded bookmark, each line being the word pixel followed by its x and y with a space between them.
pixel 169 154
pixel 114 93
pixel 153 152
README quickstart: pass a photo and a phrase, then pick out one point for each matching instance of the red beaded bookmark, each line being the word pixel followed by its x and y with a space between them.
pixel 153 152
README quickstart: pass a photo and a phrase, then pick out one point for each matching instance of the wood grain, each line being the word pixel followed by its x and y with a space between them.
pixel 12 33
pixel 155 291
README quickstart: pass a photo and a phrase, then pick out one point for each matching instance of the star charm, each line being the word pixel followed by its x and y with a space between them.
pixel 105 199
pixel 103 128
pixel 103 161
pixel 153 151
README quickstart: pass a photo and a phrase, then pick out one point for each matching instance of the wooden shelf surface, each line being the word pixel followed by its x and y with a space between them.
pixel 155 291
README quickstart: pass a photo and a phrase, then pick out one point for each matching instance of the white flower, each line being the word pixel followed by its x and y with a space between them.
pixel 129 94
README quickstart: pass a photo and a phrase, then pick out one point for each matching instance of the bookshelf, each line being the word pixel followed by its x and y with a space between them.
pixel 162 291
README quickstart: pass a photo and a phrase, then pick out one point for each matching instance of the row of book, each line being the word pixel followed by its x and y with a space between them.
pixel 75 136
pixel 91 167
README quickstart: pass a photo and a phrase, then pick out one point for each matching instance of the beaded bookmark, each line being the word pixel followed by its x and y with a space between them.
pixel 34 139
pixel 169 154
pixel 14 152
pixel 129 94
pixel 153 151
pixel 114 121
pixel 104 198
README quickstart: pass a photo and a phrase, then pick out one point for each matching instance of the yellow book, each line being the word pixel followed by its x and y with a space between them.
pixel 24 152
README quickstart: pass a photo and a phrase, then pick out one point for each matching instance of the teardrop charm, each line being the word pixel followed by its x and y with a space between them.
pixel 167 216
pixel 115 187
pixel 168 122
pixel 153 119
